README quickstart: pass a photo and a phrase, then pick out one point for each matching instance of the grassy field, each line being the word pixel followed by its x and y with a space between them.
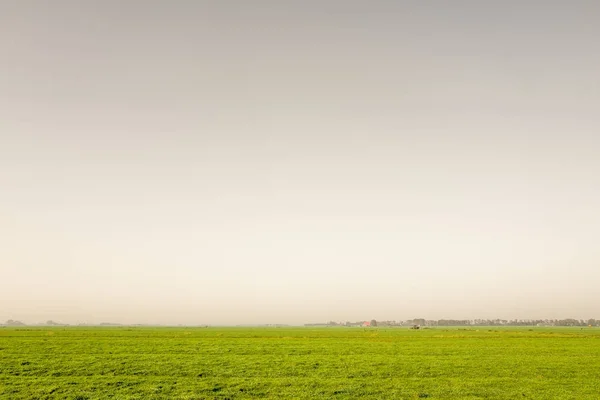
pixel 302 363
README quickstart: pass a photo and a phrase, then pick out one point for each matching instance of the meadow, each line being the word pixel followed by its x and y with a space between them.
pixel 299 363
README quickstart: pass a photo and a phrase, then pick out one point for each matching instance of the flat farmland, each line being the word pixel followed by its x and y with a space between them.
pixel 299 363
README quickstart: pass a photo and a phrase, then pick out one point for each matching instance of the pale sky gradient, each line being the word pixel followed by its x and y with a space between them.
pixel 228 162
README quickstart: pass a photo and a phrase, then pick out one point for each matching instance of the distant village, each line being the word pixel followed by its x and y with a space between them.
pixel 423 323
pixel 416 323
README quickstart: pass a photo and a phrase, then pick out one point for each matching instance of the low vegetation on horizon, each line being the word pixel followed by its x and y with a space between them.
pixel 300 363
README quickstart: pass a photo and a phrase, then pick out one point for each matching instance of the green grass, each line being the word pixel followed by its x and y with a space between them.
pixel 300 363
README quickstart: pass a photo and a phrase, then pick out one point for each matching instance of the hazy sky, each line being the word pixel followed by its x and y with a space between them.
pixel 230 162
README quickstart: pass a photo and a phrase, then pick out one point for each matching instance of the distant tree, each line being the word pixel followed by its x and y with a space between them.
pixel 373 322
pixel 12 322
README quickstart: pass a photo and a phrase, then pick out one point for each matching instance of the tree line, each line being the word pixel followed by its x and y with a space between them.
pixel 466 322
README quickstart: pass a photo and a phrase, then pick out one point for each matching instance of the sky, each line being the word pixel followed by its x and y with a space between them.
pixel 235 162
